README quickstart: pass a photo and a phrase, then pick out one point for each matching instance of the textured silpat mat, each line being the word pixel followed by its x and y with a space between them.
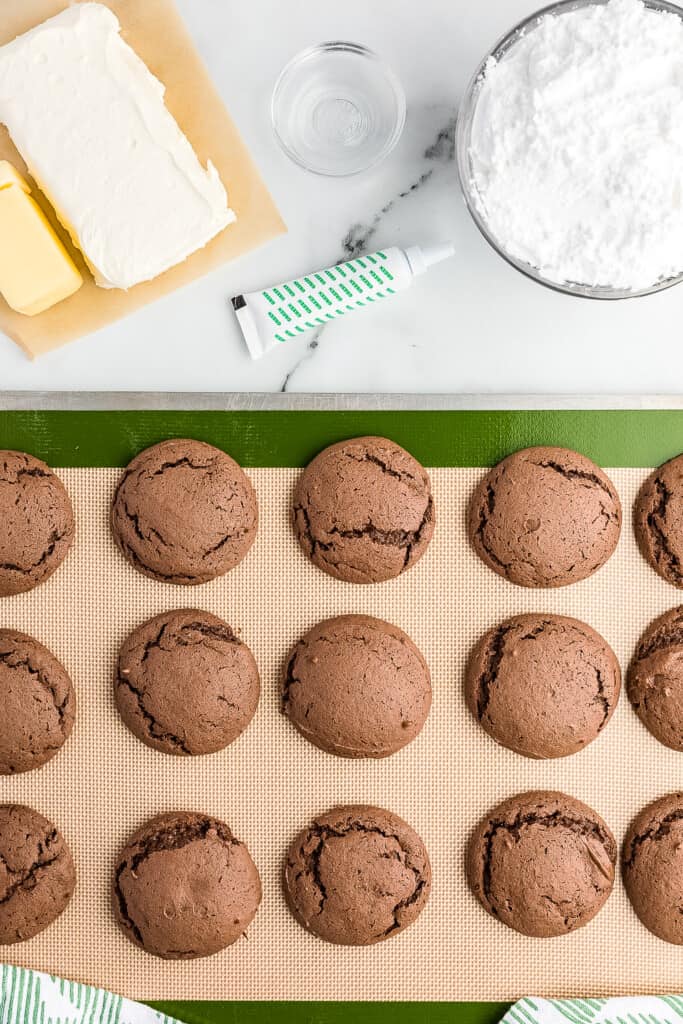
pixel 271 782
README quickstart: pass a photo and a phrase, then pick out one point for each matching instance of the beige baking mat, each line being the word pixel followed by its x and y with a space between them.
pixel 157 33
pixel 270 783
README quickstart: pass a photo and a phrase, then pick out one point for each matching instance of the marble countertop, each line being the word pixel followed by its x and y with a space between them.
pixel 472 324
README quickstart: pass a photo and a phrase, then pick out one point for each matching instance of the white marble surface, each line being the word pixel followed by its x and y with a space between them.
pixel 472 325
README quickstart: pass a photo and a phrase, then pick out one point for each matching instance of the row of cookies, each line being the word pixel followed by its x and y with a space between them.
pixel 540 684
pixel 185 887
pixel 184 512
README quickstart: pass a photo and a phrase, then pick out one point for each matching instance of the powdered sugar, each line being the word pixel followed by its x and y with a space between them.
pixel 577 146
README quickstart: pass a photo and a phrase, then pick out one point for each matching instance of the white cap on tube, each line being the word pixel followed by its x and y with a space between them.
pixel 420 259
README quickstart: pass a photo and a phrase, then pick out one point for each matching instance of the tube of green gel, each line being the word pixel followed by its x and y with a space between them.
pixel 287 310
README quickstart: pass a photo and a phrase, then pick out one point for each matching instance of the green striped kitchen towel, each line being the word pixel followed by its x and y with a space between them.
pixel 623 1010
pixel 29 997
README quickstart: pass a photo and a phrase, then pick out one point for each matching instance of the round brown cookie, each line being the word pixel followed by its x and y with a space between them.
pixel 185 683
pixel 655 678
pixel 357 875
pixel 36 522
pixel 545 517
pixel 357 687
pixel 185 887
pixel 363 511
pixel 184 512
pixel 37 874
pixel 543 685
pixel 542 863
pixel 652 867
pixel 37 700
pixel 658 520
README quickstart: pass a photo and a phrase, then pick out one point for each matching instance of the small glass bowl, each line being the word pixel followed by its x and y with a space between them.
pixel 463 139
pixel 338 109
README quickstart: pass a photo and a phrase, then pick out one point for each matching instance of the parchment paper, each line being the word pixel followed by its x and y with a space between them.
pixel 156 31
pixel 271 781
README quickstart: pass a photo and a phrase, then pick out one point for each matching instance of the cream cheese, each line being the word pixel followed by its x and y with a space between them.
pixel 89 119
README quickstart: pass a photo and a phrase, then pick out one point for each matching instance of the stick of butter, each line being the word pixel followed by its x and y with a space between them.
pixel 36 271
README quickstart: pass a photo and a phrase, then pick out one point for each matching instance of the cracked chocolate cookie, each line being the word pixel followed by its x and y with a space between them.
pixel 36 522
pixel 356 686
pixel 184 512
pixel 185 887
pixel 363 511
pixel 37 874
pixel 542 685
pixel 37 700
pixel 185 683
pixel 655 679
pixel 658 521
pixel 652 867
pixel 545 517
pixel 357 875
pixel 542 863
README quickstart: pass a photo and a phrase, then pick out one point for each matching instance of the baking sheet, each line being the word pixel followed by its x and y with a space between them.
pixel 198 401
pixel 270 783
pixel 156 31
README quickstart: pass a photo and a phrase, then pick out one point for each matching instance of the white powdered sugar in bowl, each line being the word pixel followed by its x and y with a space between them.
pixel 573 147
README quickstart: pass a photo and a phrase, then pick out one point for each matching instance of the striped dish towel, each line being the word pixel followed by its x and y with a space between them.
pixel 623 1010
pixel 29 997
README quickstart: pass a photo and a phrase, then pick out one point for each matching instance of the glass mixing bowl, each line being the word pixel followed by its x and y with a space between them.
pixel 463 137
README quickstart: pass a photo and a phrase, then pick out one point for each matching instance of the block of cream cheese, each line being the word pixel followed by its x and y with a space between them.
pixel 36 271
pixel 89 119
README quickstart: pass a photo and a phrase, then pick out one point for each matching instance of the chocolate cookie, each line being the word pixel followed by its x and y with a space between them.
pixel 357 687
pixel 655 679
pixel 185 683
pixel 184 512
pixel 357 875
pixel 658 521
pixel 543 685
pixel 652 867
pixel 37 874
pixel 542 863
pixel 36 522
pixel 37 700
pixel 363 511
pixel 184 887
pixel 545 517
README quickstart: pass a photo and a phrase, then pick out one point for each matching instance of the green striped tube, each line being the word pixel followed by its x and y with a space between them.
pixel 288 310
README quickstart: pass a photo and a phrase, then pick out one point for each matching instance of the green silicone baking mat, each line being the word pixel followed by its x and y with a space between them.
pixel 270 782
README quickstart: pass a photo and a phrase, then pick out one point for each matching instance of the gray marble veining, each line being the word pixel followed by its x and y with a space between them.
pixel 359 237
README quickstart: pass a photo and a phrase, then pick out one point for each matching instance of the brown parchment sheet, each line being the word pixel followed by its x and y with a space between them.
pixel 157 33
pixel 269 784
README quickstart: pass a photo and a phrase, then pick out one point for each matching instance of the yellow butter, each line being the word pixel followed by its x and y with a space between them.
pixel 36 271
pixel 10 176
